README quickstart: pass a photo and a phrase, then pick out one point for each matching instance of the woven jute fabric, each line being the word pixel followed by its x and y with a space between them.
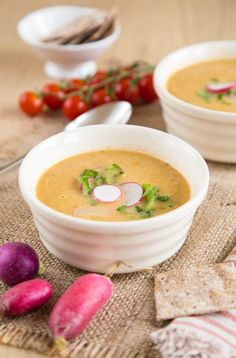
pixel 122 328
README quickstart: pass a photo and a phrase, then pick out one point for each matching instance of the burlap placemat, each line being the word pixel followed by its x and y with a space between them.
pixel 121 329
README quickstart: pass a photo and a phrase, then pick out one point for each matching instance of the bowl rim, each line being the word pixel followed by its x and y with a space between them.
pixel 70 47
pixel 191 109
pixel 75 222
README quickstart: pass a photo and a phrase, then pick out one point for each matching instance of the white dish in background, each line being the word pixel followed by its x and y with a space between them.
pixel 211 132
pixel 64 61
pixel 96 245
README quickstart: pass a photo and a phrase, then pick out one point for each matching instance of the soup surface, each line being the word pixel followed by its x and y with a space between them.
pixel 69 185
pixel 210 84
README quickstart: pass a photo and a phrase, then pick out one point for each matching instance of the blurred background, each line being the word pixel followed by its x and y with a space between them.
pixel 150 30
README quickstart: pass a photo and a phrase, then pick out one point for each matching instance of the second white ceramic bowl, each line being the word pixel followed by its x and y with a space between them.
pixel 96 245
pixel 64 61
pixel 211 132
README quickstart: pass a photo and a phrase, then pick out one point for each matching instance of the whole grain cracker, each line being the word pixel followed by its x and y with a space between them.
pixel 195 290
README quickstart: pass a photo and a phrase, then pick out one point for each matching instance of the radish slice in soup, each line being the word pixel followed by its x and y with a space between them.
pixel 107 193
pixel 133 193
pixel 220 87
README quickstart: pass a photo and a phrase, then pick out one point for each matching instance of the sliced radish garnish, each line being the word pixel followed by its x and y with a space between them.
pixel 133 193
pixel 220 87
pixel 107 193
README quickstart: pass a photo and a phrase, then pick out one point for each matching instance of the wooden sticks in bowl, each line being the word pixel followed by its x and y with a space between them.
pixel 87 29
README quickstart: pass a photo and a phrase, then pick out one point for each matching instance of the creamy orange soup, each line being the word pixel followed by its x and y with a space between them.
pixel 191 84
pixel 63 186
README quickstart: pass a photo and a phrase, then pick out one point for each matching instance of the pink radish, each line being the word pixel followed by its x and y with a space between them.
pixel 133 193
pixel 220 87
pixel 25 296
pixel 107 193
pixel 78 305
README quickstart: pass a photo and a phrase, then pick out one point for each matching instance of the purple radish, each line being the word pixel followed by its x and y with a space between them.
pixel 133 193
pixel 222 87
pixel 78 305
pixel 25 297
pixel 107 193
pixel 18 262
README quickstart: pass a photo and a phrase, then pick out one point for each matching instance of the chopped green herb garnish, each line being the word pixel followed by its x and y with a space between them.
pixel 85 185
pixel 146 213
pixel 220 97
pixel 89 173
pixel 100 180
pixel 209 96
pixel 163 198
pixel 90 178
pixel 150 192
pixel 206 96
pixel 112 173
pixel 84 180
pixel 92 203
pixel 122 209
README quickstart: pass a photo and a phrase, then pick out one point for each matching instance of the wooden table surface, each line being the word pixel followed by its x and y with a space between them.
pixel 150 29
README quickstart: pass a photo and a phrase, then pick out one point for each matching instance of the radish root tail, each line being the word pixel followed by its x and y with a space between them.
pixel 119 263
pixel 59 344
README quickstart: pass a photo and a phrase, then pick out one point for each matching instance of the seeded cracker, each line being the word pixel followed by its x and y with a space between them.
pixel 195 290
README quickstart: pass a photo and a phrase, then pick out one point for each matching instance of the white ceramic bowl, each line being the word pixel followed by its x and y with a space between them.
pixel 64 61
pixel 213 133
pixel 96 245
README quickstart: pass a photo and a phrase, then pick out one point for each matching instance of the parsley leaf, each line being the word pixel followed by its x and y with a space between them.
pixel 112 173
pixel 89 173
pixel 138 209
pixel 100 180
pixel 85 185
pixel 122 209
pixel 84 180
pixel 206 96
pixel 163 198
pixel 150 192
pixel 220 97
pixel 147 213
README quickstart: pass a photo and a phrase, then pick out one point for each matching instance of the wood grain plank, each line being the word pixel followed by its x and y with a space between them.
pixel 228 28
pixel 203 20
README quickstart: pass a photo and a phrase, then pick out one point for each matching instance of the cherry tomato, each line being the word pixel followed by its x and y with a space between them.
pixel 31 103
pixel 74 106
pixel 53 96
pixel 127 90
pixel 98 77
pixel 100 96
pixel 146 88
pixel 78 82
pixel 74 85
